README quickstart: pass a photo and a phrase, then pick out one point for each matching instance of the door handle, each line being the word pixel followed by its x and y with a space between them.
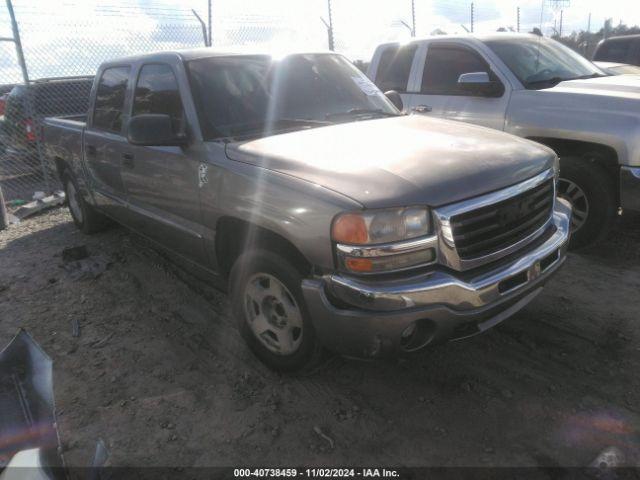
pixel 422 109
pixel 91 150
pixel 127 160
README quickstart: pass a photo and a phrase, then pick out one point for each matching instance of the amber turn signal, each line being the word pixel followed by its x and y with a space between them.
pixel 359 264
pixel 350 229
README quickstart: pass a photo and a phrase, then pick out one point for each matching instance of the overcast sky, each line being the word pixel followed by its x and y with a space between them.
pixel 63 37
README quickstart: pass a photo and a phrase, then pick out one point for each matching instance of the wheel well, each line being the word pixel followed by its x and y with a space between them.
pixel 61 165
pixel 606 157
pixel 233 236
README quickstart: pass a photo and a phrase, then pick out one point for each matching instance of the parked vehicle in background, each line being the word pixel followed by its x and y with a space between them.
pixel 6 88
pixel 4 92
pixel 333 219
pixel 625 49
pixel 536 88
pixel 613 68
pixel 24 108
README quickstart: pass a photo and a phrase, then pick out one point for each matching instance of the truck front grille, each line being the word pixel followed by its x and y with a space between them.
pixel 495 227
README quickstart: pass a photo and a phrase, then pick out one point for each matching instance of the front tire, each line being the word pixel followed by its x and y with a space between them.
pixel 268 304
pixel 85 217
pixel 589 189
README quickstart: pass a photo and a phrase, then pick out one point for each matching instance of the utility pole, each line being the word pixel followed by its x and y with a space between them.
pixel 589 24
pixel 518 19
pixel 209 20
pixel 561 12
pixel 331 39
pixel 329 26
pixel 471 17
pixel 413 18
pixel 607 27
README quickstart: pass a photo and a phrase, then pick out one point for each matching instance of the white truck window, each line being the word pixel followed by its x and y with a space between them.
pixel 394 68
pixel 443 67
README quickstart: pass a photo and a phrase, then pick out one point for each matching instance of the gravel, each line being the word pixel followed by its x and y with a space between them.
pixel 157 369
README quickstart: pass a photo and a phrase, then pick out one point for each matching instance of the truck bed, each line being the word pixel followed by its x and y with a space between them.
pixel 63 139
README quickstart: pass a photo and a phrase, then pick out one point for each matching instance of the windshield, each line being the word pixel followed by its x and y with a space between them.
pixel 257 95
pixel 541 62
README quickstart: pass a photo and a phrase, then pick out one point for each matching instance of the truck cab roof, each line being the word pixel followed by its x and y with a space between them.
pixel 206 52
pixel 468 37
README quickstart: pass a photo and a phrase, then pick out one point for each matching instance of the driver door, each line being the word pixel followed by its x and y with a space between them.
pixel 440 95
pixel 162 181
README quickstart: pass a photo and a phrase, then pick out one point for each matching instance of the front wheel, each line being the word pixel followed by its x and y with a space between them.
pixel 587 186
pixel 268 304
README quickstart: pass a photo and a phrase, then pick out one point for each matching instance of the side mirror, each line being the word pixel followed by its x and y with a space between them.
pixel 395 98
pixel 480 84
pixel 151 129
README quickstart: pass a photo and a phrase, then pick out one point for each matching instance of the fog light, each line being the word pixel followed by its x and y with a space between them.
pixel 408 333
pixel 417 335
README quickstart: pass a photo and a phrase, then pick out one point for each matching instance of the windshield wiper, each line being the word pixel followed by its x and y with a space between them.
pixel 592 75
pixel 355 112
pixel 551 82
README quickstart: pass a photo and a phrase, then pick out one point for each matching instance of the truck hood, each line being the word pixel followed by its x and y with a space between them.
pixel 621 86
pixel 396 161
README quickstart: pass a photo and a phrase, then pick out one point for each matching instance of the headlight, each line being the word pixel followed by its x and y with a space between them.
pixel 381 226
pixel 387 240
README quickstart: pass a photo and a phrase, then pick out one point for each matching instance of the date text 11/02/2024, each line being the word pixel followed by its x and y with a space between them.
pixel 315 472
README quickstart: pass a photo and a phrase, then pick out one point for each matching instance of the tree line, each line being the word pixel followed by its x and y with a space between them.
pixel 585 42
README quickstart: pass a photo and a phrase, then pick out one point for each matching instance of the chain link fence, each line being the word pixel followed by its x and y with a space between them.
pixel 63 46
pixel 65 41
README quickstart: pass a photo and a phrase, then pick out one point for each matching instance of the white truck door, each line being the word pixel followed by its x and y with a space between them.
pixel 441 94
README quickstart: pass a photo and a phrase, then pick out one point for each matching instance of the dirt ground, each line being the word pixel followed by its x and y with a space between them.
pixel 160 373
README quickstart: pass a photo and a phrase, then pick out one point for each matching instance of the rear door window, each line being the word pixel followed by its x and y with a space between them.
pixel 394 68
pixel 445 64
pixel 157 92
pixel 110 96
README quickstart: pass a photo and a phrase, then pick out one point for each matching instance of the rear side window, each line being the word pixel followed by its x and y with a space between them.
pixel 157 92
pixel 109 104
pixel 613 51
pixel 394 68
pixel 443 67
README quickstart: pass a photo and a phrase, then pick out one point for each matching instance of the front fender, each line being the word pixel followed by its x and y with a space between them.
pixel 287 206
pixel 604 120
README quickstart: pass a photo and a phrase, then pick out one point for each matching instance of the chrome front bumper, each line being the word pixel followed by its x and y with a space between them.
pixel 362 317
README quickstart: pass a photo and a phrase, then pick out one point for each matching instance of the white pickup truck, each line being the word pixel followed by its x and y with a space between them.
pixel 536 88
